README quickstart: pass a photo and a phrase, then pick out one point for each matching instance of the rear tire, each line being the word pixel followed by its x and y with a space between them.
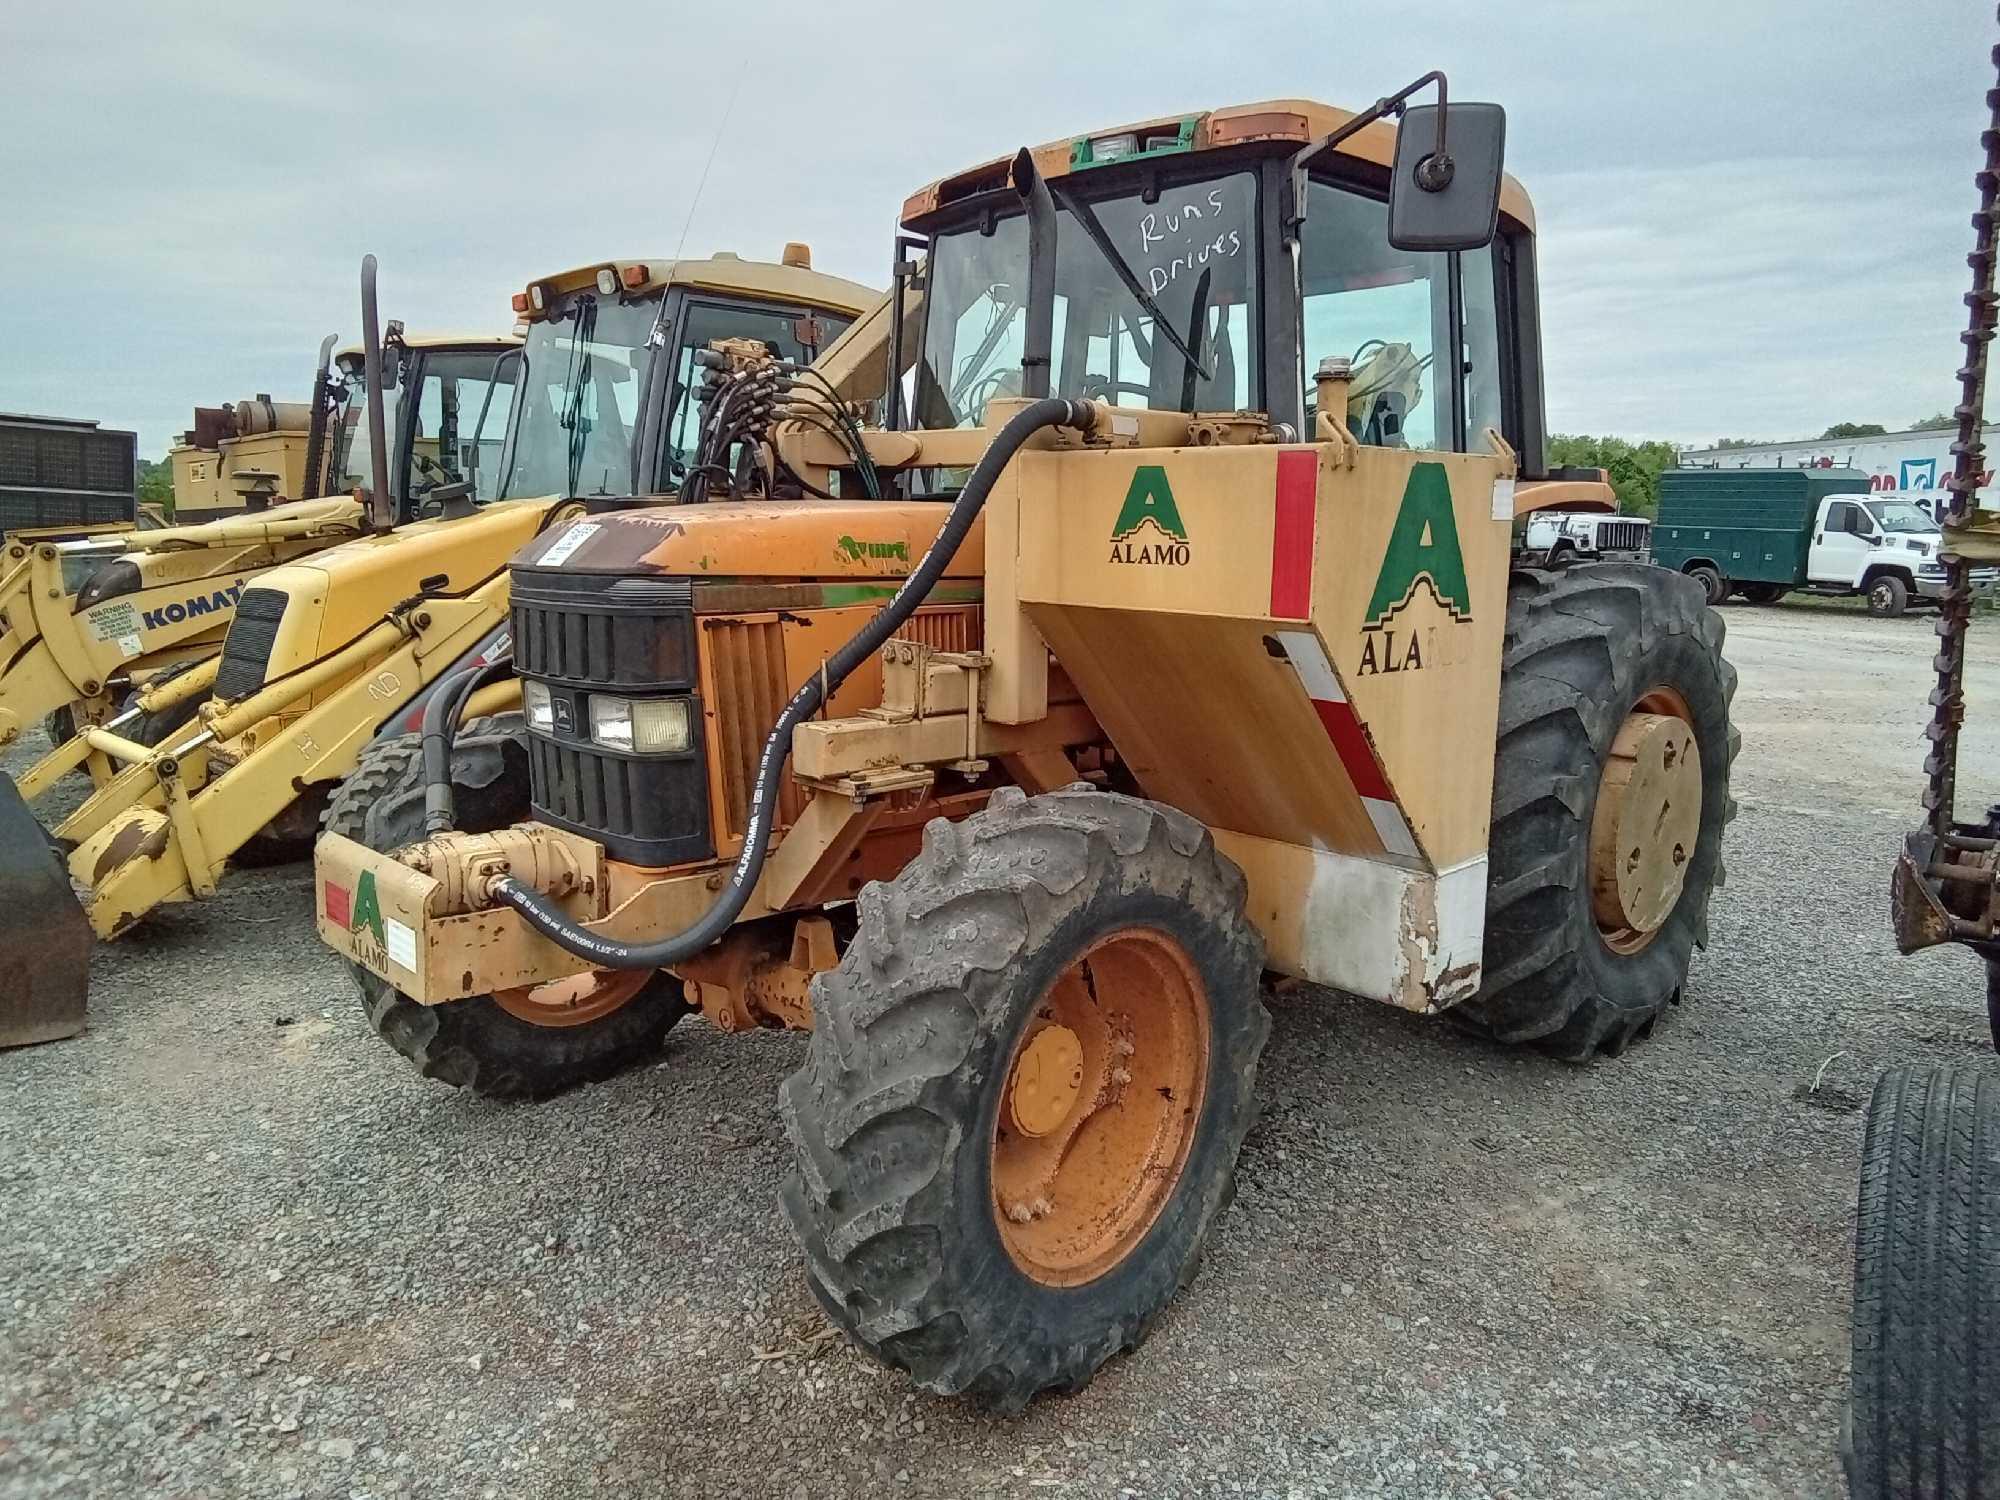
pixel 1762 593
pixel 151 729
pixel 896 1120
pixel 1583 648
pixel 1714 587
pixel 1924 1409
pixel 474 1043
pixel 1888 597
pixel 59 726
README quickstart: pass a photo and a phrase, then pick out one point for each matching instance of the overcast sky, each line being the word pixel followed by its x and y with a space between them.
pixel 1753 214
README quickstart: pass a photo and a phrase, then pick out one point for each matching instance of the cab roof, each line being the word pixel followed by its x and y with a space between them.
pixel 722 272
pixel 1289 122
pixel 477 343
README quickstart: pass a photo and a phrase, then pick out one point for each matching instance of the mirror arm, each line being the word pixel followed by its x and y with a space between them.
pixel 1434 173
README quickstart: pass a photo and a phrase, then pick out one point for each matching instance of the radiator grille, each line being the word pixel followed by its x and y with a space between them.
pixel 246 649
pixel 747 666
pixel 747 662
pixel 1621 536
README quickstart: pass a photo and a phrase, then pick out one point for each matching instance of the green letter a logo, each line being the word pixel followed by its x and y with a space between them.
pixel 1149 499
pixel 1424 545
pixel 367 906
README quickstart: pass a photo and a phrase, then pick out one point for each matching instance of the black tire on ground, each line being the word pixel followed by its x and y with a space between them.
pixel 1762 593
pixel 1888 597
pixel 1714 587
pixel 1561 555
pixel 1923 1420
pixel 59 726
pixel 150 729
pixel 474 1043
pixel 893 1118
pixel 1582 648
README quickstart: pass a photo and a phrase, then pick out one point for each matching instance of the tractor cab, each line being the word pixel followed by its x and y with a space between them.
pixel 448 397
pixel 1214 262
pixel 608 366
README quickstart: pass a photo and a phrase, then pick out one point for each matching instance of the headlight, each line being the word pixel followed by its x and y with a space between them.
pixel 535 699
pixel 644 726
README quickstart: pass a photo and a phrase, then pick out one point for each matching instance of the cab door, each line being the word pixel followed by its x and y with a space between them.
pixel 1841 543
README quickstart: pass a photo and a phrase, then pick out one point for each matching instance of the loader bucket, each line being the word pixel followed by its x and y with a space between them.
pixel 44 938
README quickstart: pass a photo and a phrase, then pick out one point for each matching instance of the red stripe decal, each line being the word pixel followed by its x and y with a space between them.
pixel 1292 535
pixel 1350 741
pixel 338 911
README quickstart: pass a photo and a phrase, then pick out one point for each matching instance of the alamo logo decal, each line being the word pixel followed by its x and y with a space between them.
pixel 1423 554
pixel 1149 528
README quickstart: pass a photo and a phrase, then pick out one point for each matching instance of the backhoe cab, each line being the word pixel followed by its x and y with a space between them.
pixel 1170 652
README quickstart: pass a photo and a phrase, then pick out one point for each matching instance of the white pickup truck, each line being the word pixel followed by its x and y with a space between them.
pixel 1554 537
pixel 1886 550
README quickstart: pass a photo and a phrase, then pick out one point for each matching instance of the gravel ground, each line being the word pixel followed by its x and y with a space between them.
pixel 247 1252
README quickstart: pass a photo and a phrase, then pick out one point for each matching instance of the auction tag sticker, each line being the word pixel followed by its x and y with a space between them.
pixel 1503 499
pixel 113 622
pixel 128 646
pixel 567 544
pixel 401 942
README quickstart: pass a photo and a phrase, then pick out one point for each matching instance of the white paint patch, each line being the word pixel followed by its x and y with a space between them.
pixel 400 940
pixel 1390 828
pixel 566 545
pixel 1503 499
pixel 1308 659
pixel 1393 934
pixel 1461 939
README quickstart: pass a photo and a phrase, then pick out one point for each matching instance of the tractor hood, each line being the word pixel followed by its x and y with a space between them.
pixel 789 539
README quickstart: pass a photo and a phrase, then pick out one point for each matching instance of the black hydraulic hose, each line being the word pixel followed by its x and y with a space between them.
pixel 660 953
pixel 441 716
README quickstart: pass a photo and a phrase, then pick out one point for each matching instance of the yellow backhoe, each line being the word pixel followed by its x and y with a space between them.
pixel 333 650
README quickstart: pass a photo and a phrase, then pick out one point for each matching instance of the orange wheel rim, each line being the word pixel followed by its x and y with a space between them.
pixel 575 1001
pixel 1099 1104
pixel 1647 820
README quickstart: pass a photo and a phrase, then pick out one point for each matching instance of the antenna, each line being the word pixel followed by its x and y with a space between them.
pixel 714 146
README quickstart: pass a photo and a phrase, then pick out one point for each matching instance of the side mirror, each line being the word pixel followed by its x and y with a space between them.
pixel 1444 190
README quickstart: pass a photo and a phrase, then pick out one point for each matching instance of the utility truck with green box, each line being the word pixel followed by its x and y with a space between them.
pixel 1764 533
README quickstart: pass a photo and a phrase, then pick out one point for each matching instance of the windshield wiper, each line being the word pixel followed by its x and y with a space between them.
pixel 1082 213
pixel 574 421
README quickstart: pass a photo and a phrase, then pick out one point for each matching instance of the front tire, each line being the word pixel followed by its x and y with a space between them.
pixel 1028 1083
pixel 1714 587
pixel 1591 654
pixel 1924 1407
pixel 523 1044
pixel 1888 597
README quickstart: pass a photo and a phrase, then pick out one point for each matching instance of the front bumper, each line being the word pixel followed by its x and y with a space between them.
pixel 1931 585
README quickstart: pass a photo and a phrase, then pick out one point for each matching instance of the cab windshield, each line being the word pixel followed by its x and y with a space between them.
pixel 1193 249
pixel 1901 516
pixel 581 376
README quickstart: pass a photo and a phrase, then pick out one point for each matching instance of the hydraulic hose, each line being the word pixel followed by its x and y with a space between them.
pixel 441 716
pixel 660 953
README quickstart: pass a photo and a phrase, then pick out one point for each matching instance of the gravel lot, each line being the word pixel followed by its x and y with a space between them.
pixel 247 1252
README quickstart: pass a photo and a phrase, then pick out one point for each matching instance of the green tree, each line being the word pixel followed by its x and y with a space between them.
pixel 1944 421
pixel 1737 442
pixel 156 483
pixel 1854 430
pixel 1634 468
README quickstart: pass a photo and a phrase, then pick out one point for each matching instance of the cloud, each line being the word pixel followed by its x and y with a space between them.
pixel 1753 216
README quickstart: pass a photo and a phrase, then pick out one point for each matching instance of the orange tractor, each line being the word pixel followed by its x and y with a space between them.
pixel 1008 743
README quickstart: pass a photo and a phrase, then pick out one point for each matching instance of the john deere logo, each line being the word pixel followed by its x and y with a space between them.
pixel 1423 552
pixel 1149 502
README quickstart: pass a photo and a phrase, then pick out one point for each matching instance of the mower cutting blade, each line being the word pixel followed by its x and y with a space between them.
pixel 44 939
